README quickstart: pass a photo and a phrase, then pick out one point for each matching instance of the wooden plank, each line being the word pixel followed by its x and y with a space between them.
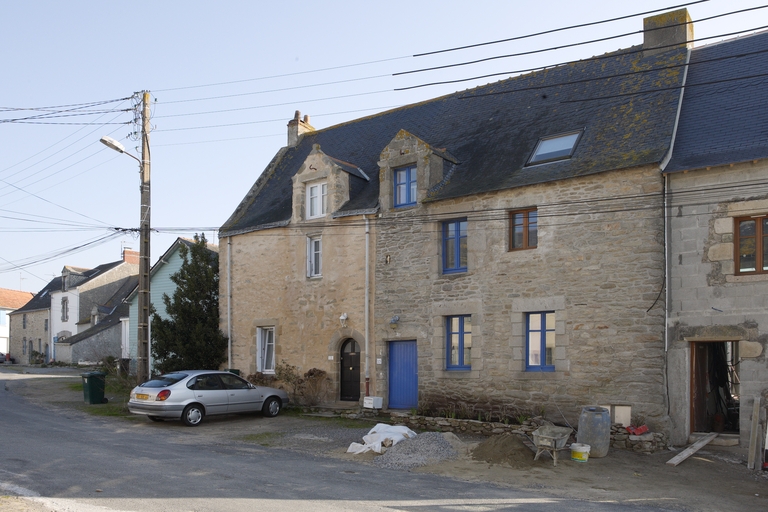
pixel 698 445
pixel 753 433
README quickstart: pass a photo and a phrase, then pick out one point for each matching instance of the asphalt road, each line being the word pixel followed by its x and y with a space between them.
pixel 69 462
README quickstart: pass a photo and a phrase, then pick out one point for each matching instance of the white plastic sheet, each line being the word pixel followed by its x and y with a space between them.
pixel 381 436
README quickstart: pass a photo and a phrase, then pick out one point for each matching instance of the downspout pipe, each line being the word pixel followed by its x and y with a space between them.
pixel 367 307
pixel 229 302
pixel 666 184
pixel 666 192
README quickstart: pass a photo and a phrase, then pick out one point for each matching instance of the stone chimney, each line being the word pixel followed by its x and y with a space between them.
pixel 297 127
pixel 130 256
pixel 666 31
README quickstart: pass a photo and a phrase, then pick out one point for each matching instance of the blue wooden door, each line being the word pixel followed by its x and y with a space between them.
pixel 403 375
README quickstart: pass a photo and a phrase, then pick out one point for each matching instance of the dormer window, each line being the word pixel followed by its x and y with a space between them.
pixel 405 186
pixel 317 200
pixel 555 147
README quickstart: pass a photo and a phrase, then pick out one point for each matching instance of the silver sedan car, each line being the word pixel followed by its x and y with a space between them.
pixel 192 395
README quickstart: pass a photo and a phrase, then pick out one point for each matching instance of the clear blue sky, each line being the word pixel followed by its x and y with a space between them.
pixel 227 77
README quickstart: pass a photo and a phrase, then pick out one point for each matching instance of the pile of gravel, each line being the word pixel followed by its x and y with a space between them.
pixel 424 449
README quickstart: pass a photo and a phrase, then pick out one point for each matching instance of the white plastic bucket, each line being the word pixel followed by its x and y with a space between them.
pixel 580 452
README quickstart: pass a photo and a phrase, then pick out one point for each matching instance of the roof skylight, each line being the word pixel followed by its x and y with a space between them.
pixel 556 147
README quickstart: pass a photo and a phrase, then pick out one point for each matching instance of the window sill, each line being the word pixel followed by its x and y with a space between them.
pixel 528 375
pixel 746 278
pixel 459 374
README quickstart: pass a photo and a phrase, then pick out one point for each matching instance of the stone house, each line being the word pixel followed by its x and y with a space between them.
pixel 159 284
pixel 30 324
pixel 10 300
pixel 103 337
pixel 717 224
pixel 86 296
pixel 499 249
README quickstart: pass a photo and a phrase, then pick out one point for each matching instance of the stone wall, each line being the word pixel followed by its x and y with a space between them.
pixel 270 287
pixel 599 266
pixel 710 302
pixel 35 331
pixel 649 442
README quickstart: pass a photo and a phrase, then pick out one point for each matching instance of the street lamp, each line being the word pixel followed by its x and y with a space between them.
pixel 142 349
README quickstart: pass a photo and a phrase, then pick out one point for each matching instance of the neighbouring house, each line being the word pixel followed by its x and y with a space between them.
pixel 10 301
pixel 84 298
pixel 104 334
pixel 159 283
pixel 499 249
pixel 30 326
pixel 717 223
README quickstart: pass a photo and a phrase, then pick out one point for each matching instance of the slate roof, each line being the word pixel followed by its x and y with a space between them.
pixel 492 130
pixel 13 299
pixel 41 300
pixel 724 118
pixel 81 276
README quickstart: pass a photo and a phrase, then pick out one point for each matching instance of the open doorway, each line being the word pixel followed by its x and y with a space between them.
pixel 715 386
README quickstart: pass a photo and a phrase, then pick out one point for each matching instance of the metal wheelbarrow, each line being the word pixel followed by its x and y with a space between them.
pixel 550 438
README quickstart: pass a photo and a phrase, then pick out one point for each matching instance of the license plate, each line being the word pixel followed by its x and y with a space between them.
pixel 142 396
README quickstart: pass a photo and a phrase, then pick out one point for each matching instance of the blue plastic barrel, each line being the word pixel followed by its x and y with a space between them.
pixel 595 430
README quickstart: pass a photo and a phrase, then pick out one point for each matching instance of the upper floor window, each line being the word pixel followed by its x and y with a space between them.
pixel 65 309
pixel 24 321
pixel 314 257
pixel 523 229
pixel 556 147
pixel 540 342
pixel 455 246
pixel 751 245
pixel 405 186
pixel 317 200
pixel 459 342
pixel 265 349
pixel 46 325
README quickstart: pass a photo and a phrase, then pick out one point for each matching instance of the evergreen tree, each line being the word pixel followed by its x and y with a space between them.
pixel 190 338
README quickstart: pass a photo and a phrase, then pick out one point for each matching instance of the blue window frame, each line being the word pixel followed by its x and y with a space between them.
pixel 540 342
pixel 458 349
pixel 455 246
pixel 405 186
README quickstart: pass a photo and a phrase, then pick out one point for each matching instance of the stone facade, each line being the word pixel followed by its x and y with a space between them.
pixel 711 302
pixel 271 286
pixel 36 333
pixel 599 266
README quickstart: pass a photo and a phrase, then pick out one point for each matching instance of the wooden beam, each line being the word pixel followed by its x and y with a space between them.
pixel 753 433
pixel 698 445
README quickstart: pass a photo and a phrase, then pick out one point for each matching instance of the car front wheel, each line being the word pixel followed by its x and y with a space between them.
pixel 192 416
pixel 271 407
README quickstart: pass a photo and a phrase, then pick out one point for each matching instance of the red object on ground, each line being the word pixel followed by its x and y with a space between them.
pixel 636 431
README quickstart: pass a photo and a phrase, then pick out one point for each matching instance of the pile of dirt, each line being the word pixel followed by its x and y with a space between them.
pixel 504 449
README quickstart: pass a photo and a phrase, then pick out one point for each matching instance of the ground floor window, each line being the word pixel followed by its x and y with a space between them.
pixel 459 342
pixel 24 346
pixel 265 349
pixel 540 342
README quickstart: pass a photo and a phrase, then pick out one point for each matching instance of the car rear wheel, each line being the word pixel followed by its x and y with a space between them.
pixel 271 407
pixel 192 416
pixel 155 418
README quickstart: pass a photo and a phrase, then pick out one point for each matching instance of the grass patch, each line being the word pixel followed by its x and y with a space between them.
pixel 74 386
pixel 111 409
pixel 263 439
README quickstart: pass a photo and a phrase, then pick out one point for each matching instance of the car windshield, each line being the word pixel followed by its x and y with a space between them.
pixel 164 380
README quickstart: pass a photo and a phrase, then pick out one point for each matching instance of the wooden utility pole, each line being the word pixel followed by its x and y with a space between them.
pixel 142 363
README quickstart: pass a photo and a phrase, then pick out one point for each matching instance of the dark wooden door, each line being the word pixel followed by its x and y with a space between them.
pixel 350 371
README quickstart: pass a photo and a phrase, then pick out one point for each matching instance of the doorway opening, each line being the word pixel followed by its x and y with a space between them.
pixel 350 371
pixel 715 386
